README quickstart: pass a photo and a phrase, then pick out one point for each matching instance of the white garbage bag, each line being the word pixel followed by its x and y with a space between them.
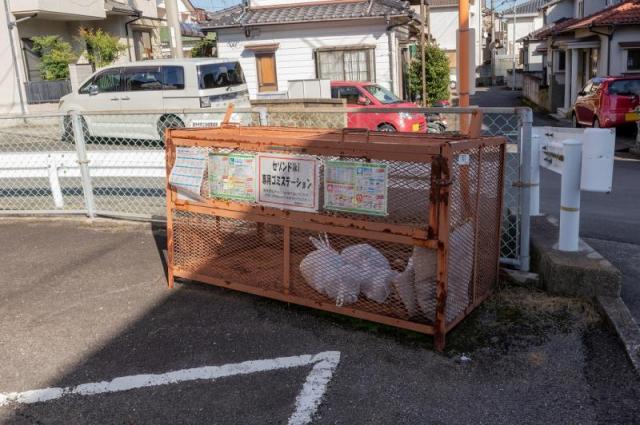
pixel 375 275
pixel 327 273
pixel 404 287
pixel 425 263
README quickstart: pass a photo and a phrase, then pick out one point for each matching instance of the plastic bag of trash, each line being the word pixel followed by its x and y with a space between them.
pixel 374 273
pixel 404 287
pixel 326 272
pixel 425 263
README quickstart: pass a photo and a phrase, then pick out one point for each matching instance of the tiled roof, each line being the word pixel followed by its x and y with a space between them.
pixel 302 12
pixel 555 28
pixel 625 13
pixel 532 6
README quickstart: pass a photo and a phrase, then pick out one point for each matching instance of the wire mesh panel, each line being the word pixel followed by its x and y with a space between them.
pixel 391 268
pixel 38 166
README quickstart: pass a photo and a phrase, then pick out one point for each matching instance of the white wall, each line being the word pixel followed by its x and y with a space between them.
pixel 618 63
pixel 524 25
pixel 294 57
pixel 89 9
pixel 564 9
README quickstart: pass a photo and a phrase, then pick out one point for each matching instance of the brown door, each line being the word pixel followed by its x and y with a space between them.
pixel 267 79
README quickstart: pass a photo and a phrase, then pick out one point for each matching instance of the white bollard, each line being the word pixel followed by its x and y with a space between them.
pixel 570 196
pixel 534 194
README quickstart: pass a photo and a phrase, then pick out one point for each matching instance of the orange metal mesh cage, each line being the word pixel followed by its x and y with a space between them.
pixel 440 236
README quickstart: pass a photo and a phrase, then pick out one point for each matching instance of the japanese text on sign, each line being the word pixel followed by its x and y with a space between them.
pixel 187 172
pixel 358 187
pixel 288 181
pixel 232 176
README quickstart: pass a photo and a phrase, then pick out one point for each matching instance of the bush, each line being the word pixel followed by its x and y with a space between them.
pixel 437 74
pixel 102 48
pixel 204 49
pixel 56 55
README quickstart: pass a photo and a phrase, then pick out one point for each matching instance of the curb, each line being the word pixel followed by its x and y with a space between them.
pixel 618 315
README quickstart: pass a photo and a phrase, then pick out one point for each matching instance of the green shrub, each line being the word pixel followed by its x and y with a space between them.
pixel 204 49
pixel 102 48
pixel 437 74
pixel 56 55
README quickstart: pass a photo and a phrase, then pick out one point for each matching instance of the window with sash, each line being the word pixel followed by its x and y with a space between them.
pixel 345 64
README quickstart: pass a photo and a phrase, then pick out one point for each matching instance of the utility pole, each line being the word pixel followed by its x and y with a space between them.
pixel 422 59
pixel 173 21
pixel 513 53
pixel 463 49
pixel 10 25
pixel 492 47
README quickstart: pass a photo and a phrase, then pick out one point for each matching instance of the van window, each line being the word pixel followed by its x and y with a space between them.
pixel 107 81
pixel 172 78
pixel 220 75
pixel 142 79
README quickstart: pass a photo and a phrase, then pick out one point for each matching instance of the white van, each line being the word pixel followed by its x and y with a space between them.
pixel 155 92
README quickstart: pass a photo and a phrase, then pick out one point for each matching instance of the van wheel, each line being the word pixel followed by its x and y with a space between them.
pixel 596 123
pixel 386 128
pixel 574 121
pixel 168 121
pixel 67 130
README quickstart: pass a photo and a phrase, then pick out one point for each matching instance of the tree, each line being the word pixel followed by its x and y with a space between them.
pixel 102 48
pixel 203 49
pixel 56 55
pixel 437 74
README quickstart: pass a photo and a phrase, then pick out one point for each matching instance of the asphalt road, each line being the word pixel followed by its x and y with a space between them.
pixel 87 302
pixel 609 222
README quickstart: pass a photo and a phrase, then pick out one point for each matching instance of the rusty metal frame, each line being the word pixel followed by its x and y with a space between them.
pixel 437 151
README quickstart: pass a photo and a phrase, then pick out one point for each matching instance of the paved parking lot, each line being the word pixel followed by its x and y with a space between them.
pixel 87 303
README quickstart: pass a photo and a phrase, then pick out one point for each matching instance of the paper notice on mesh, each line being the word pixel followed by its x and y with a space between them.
pixel 187 173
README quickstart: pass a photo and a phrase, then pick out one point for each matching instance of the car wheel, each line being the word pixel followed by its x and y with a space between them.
pixel 67 130
pixel 387 128
pixel 168 121
pixel 574 121
pixel 596 123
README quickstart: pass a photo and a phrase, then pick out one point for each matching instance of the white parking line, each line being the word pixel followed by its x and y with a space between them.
pixel 307 402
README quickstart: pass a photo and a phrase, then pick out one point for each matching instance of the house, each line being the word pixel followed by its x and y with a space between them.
pixel 443 23
pixel 602 37
pixel 188 16
pixel 134 22
pixel 279 40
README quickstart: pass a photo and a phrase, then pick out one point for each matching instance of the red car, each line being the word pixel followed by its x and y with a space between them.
pixel 369 95
pixel 603 102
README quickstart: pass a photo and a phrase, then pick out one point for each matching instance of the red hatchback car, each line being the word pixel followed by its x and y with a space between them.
pixel 603 102
pixel 369 95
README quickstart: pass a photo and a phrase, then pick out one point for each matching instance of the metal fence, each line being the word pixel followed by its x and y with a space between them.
pixel 112 163
pixel 46 91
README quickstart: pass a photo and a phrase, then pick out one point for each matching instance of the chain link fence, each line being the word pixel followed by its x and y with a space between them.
pixel 112 163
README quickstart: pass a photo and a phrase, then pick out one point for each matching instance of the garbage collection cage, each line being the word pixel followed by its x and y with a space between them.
pixel 422 264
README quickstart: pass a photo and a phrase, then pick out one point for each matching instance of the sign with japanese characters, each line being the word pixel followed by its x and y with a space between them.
pixel 232 176
pixel 288 181
pixel 188 172
pixel 353 186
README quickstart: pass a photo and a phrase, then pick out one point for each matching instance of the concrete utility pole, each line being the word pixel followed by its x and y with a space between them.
pixel 492 47
pixel 463 48
pixel 513 53
pixel 10 25
pixel 422 59
pixel 173 21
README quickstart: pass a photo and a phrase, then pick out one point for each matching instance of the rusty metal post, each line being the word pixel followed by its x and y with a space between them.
pixel 171 198
pixel 444 182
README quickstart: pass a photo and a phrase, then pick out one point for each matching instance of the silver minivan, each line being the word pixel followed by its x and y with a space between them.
pixel 139 100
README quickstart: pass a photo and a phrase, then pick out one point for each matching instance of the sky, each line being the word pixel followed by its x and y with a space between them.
pixel 221 4
pixel 214 4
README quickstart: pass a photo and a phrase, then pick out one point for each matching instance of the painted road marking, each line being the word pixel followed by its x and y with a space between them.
pixel 307 402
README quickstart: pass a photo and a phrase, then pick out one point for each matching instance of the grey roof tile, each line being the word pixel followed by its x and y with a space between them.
pixel 326 11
